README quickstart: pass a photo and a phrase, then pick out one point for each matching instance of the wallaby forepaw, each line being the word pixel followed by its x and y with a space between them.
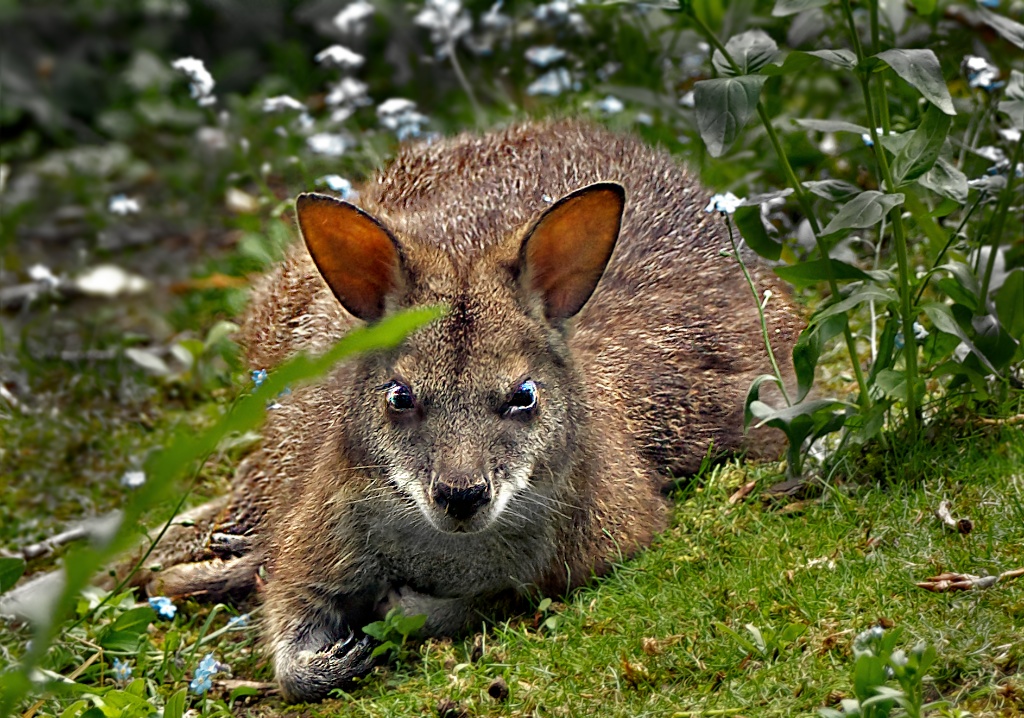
pixel 313 676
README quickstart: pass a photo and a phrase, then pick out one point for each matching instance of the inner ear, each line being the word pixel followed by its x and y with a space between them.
pixel 358 258
pixel 567 249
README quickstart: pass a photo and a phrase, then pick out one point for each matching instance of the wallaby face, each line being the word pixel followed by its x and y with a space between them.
pixel 472 416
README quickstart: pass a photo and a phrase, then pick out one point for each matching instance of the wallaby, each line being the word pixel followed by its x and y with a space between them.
pixel 596 343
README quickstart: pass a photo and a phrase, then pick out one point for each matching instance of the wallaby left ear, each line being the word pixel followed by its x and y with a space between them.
pixel 357 256
pixel 565 252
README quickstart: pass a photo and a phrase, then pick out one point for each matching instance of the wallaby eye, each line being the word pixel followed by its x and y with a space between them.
pixel 522 401
pixel 399 397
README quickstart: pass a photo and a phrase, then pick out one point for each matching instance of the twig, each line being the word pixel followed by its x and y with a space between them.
pixel 742 493
pixel 961 526
pixel 946 582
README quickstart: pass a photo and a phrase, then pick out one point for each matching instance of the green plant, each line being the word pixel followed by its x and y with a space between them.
pixel 766 643
pixel 876 664
pixel 393 632
pixel 968 341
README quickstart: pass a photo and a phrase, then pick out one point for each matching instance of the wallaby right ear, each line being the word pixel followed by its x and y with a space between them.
pixel 357 257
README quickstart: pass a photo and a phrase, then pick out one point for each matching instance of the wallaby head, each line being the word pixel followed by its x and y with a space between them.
pixel 474 416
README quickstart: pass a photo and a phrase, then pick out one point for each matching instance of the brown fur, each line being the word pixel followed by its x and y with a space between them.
pixel 632 391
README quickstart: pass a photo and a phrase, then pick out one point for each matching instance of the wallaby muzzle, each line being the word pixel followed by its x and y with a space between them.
pixel 460 496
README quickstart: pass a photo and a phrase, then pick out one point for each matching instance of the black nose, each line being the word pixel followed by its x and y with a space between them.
pixel 460 502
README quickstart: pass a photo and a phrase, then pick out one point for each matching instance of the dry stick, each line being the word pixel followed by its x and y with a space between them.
pixel 961 526
pixel 946 582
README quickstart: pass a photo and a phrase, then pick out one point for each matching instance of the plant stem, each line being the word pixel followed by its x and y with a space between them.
pixel 899 238
pixel 949 243
pixel 760 312
pixel 864 399
pixel 477 112
pixel 1000 220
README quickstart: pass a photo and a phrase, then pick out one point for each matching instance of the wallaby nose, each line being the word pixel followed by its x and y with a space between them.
pixel 462 501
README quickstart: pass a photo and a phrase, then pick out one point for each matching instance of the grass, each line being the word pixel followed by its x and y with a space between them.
pixel 665 634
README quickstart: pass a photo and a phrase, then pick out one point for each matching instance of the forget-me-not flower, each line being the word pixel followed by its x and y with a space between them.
pixel 163 606
pixel 122 671
pixel 724 203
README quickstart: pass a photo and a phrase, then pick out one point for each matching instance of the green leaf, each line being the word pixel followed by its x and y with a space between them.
pixel 754 394
pixel 136 620
pixel 864 210
pixel 1009 299
pixel 924 7
pixel 241 692
pixel 866 293
pixel 920 153
pixel 751 226
pixel 723 107
pixel 832 126
pixel 750 50
pixel 408 625
pixel 384 648
pixel 832 189
pixel 921 69
pixel 11 569
pixel 126 641
pixel 946 180
pixel 993 340
pixel 794 61
pixel 807 351
pixel 942 318
pixel 544 605
pixel 892 383
pixel 816 270
pixel 377 629
pixel 771 416
pixel 792 7
pixel 1011 31
pixel 843 57
pixel 1013 103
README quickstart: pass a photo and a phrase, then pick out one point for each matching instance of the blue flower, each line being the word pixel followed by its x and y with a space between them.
pixel 122 670
pixel 238 621
pixel 545 55
pixel 164 607
pixel 259 376
pixel 725 203
pixel 202 679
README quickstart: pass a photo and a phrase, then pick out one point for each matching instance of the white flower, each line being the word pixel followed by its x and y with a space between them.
pixel 122 205
pixel 336 183
pixel 400 115
pixel 133 479
pixel 494 19
pixel 610 105
pixel 340 56
pixel 644 118
pixel 282 102
pixel 327 143
pixel 200 80
pixel 394 106
pixel 688 100
pixel 981 73
pixel 41 273
pixel 447 22
pixel 352 19
pixel 552 82
pixel 544 55
pixel 725 203
pixel 866 136
pixel 347 91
